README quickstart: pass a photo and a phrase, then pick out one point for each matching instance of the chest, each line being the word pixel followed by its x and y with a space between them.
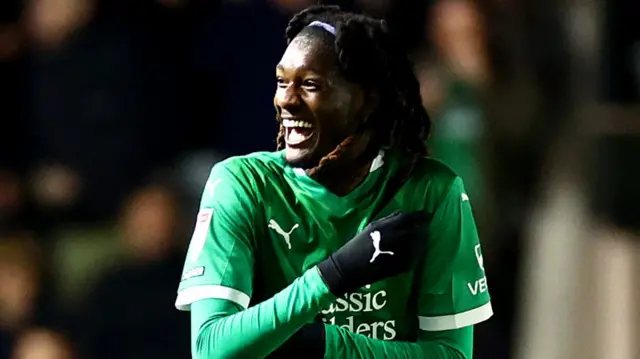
pixel 298 235
pixel 383 310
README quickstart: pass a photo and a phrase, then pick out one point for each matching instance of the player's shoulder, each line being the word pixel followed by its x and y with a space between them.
pixel 435 179
pixel 251 166
pixel 242 177
pixel 433 172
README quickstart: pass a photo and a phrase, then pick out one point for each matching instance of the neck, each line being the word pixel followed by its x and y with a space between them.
pixel 343 175
pixel 347 181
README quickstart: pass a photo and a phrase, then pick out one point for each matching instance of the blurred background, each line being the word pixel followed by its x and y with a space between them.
pixel 112 112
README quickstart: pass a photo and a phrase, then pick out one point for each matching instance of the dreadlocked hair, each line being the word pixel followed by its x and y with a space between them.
pixel 367 55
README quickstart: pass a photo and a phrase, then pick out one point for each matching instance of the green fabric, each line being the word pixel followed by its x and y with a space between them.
pixel 450 344
pixel 220 329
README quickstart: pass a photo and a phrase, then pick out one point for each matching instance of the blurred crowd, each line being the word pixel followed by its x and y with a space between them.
pixel 112 113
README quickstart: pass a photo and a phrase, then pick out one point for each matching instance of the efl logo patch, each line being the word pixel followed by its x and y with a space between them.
pixel 200 233
pixel 195 272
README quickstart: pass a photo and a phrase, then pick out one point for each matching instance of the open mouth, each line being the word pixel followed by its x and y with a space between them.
pixel 298 133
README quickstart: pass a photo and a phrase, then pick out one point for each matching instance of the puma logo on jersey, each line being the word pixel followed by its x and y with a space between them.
pixel 375 237
pixel 464 197
pixel 286 235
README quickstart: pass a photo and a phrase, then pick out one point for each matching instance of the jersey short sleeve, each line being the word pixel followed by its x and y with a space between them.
pixel 219 262
pixel 452 285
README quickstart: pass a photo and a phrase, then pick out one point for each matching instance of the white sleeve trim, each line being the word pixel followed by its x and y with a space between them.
pixel 455 321
pixel 190 295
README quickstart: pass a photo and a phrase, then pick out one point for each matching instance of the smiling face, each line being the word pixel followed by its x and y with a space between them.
pixel 317 106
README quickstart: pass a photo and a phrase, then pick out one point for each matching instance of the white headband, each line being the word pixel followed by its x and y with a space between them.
pixel 325 26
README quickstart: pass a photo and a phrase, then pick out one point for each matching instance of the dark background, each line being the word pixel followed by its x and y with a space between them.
pixel 112 113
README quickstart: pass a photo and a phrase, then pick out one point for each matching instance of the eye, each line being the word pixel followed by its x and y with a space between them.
pixel 311 85
pixel 280 82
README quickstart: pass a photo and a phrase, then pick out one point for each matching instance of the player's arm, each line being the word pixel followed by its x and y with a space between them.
pixel 217 279
pixel 223 330
pixel 319 341
pixel 450 344
pixel 452 291
pixel 452 288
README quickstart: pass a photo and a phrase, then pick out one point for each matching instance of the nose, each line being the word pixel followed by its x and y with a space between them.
pixel 287 97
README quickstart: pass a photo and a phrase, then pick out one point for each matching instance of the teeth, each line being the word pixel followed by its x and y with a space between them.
pixel 291 123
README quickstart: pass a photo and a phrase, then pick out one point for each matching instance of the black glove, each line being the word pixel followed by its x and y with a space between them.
pixel 386 248
pixel 308 341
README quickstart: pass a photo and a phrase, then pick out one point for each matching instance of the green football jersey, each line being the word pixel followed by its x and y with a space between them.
pixel 263 223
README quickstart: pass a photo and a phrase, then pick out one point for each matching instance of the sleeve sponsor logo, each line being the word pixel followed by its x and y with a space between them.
pixel 193 273
pixel 200 233
pixel 479 286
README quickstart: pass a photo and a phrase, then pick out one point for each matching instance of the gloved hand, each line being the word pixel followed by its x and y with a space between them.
pixel 384 249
